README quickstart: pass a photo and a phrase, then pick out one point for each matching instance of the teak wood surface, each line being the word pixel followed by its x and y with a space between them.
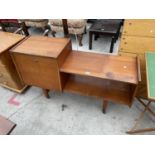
pixel 38 60
pixel 7 40
pixel 102 66
pixel 41 46
pixel 9 77
pixel 138 37
pixel 112 78
pixel 139 27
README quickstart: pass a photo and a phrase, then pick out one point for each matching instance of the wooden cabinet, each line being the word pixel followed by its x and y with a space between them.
pixel 140 27
pixel 133 44
pixel 9 77
pixel 38 60
pixel 138 37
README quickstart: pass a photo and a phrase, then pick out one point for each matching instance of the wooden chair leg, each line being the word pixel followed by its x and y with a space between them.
pixel 80 36
pixel 53 33
pixel 85 30
pixel 25 29
pixel 104 106
pixel 112 44
pixel 45 91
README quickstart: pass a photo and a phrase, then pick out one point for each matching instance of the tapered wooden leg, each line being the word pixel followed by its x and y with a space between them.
pixel 104 106
pixel 45 91
pixel 53 33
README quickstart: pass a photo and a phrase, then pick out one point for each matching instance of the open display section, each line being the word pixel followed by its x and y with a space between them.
pixel 105 89
pixel 100 76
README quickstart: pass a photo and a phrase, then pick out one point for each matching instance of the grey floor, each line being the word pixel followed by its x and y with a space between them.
pixel 34 114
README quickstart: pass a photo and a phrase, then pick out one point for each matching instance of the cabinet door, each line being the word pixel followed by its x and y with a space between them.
pixel 38 71
pixel 139 27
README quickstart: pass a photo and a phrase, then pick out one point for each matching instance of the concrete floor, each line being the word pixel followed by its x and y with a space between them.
pixel 34 114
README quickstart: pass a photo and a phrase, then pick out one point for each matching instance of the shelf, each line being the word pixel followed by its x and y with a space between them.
pixel 106 89
pixel 118 68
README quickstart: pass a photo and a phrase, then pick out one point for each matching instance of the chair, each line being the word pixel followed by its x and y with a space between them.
pixel 75 26
pixel 37 23
pixel 13 25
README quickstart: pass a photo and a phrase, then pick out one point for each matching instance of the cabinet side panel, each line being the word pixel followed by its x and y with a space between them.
pixel 62 76
pixel 11 76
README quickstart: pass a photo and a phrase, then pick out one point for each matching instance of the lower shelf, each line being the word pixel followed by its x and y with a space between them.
pixel 106 89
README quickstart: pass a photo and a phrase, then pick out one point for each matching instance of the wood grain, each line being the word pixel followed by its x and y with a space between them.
pixel 132 44
pixel 9 77
pixel 42 46
pixel 7 40
pixel 38 60
pixel 139 27
pixel 102 66
pixel 105 89
pixel 101 76
pixel 38 71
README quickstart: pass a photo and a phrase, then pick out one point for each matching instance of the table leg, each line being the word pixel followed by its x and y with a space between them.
pixel 134 130
pixel 45 91
pixel 96 36
pixel 90 40
pixel 104 106
pixel 112 44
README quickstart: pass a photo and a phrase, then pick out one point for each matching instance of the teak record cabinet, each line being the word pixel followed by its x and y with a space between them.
pixel 38 60
pixel 9 77
pixel 51 64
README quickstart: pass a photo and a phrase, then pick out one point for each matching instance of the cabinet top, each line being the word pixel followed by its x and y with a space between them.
pixel 41 46
pixel 118 68
pixel 7 40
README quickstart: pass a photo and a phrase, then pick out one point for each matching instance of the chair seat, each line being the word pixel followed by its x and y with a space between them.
pixel 75 23
pixel 71 30
pixel 35 22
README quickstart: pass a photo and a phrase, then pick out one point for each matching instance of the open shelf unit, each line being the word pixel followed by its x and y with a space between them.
pixel 112 78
